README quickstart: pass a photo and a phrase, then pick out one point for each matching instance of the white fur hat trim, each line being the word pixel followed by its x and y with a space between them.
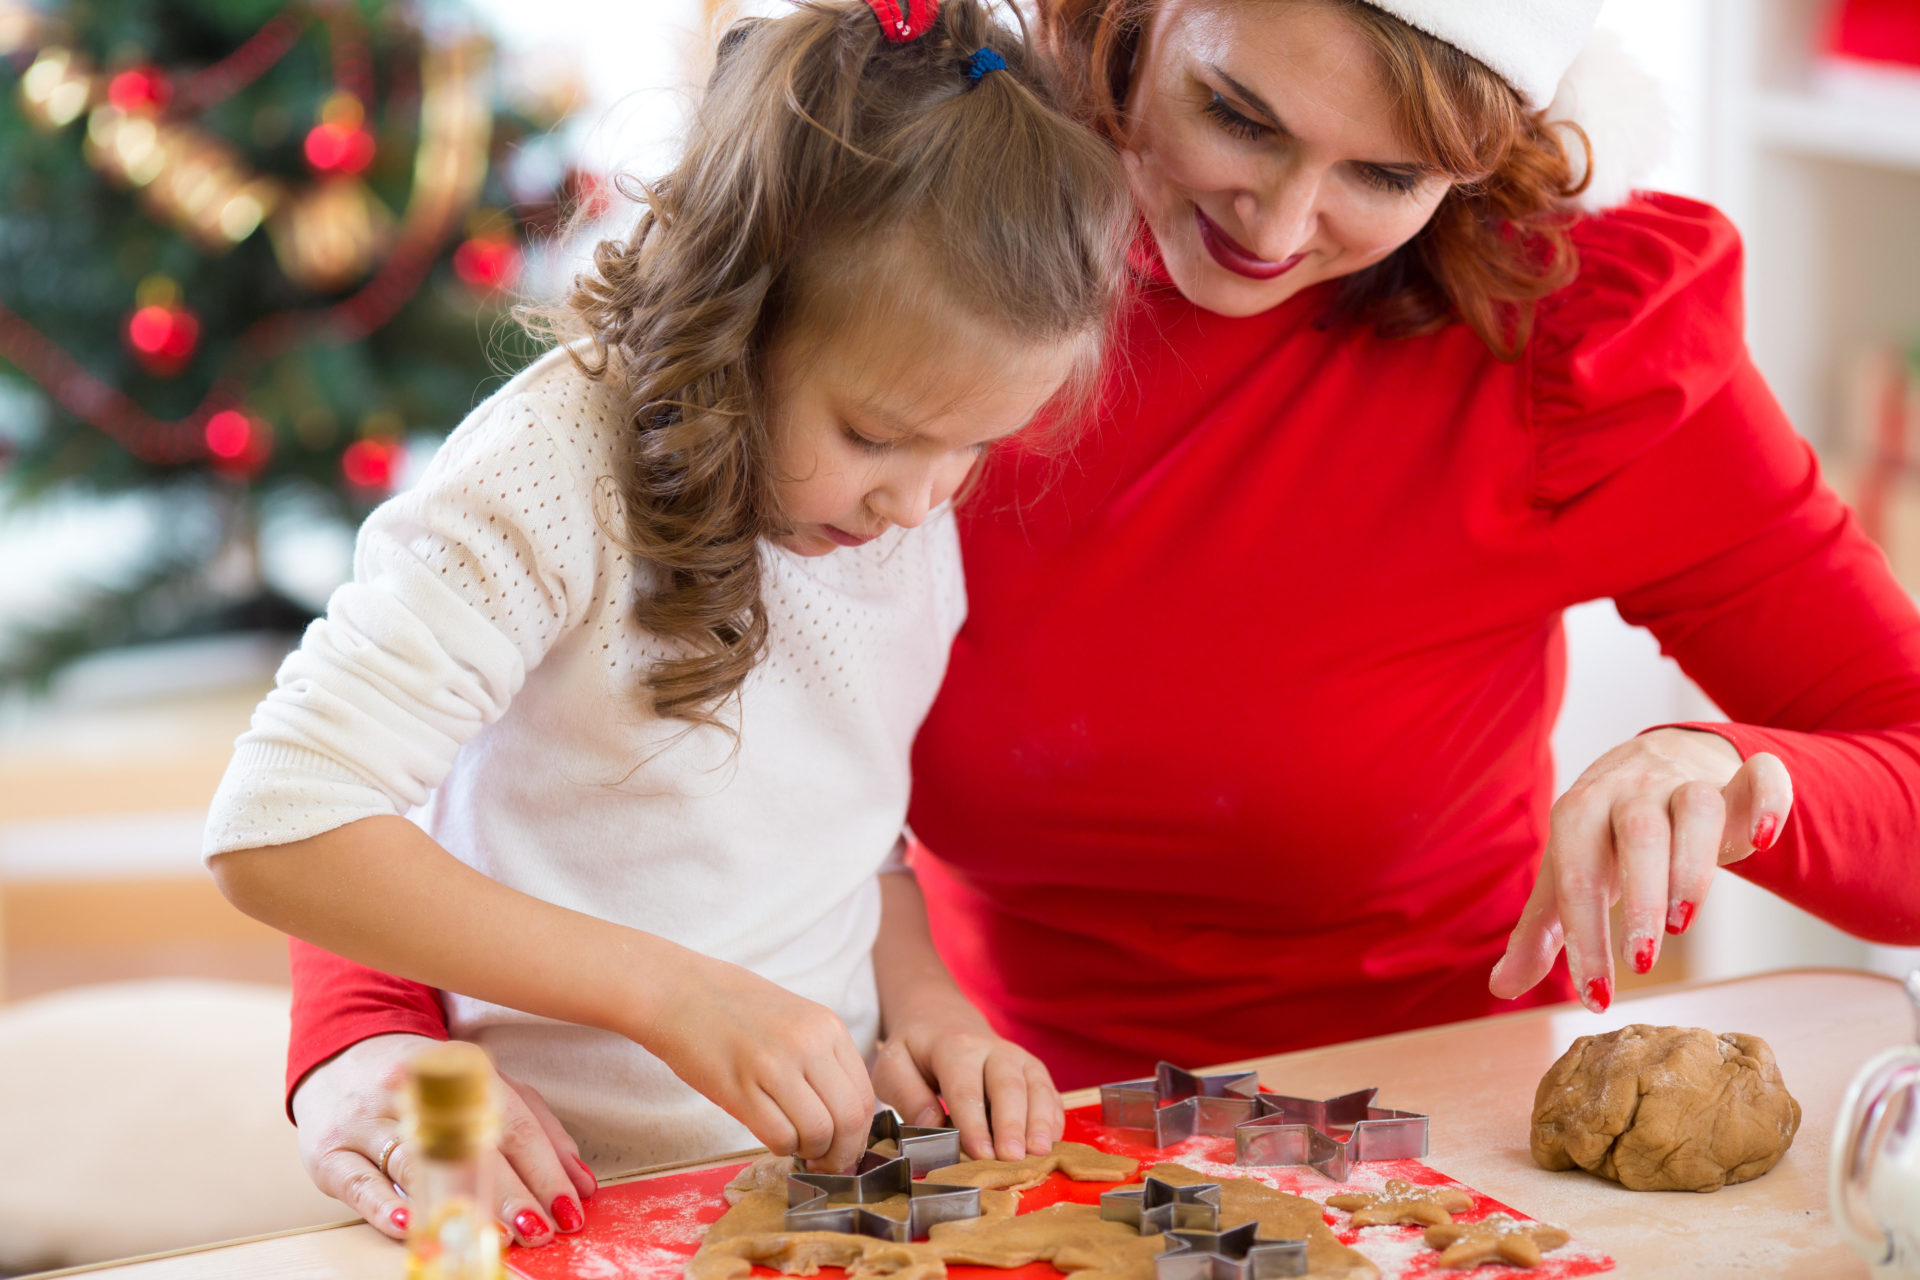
pixel 1529 43
pixel 1621 108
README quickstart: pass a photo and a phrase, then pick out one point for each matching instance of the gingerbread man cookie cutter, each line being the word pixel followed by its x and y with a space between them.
pixel 1328 1134
pixel 840 1201
pixel 1234 1254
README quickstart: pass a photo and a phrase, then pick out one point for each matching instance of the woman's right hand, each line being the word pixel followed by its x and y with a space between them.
pixel 348 1110
pixel 782 1065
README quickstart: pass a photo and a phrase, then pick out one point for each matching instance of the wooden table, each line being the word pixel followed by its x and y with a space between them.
pixel 1476 1080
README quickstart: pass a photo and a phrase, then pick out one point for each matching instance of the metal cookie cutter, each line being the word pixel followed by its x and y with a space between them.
pixel 1176 1104
pixel 838 1201
pixel 1155 1206
pixel 1266 1128
pixel 1302 1131
pixel 1230 1255
pixel 924 1147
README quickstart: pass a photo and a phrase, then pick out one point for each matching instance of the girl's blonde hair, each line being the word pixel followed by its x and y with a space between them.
pixel 827 173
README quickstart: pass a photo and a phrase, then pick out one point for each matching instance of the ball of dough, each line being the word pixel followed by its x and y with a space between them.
pixel 1665 1109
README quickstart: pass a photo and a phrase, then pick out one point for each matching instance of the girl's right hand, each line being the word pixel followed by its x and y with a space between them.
pixel 348 1111
pixel 782 1065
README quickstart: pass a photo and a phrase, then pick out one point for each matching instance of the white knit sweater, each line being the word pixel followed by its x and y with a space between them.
pixel 479 674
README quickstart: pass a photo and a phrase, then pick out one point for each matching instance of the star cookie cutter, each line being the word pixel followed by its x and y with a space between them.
pixel 1235 1254
pixel 1154 1207
pixel 924 1147
pixel 839 1201
pixel 1329 1134
pixel 1308 1131
pixel 1176 1104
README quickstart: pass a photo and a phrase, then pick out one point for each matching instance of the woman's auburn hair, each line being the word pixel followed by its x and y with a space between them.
pixel 1500 239
pixel 831 182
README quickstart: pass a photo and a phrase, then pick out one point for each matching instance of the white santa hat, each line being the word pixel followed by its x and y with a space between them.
pixel 1551 55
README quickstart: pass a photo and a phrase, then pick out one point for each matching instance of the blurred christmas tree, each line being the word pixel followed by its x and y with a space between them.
pixel 246 248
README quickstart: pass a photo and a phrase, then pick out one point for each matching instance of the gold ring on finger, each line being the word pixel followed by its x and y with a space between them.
pixel 386 1154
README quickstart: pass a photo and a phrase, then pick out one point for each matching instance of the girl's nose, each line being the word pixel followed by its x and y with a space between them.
pixel 904 504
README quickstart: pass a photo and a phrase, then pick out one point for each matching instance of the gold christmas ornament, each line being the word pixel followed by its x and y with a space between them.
pixel 330 235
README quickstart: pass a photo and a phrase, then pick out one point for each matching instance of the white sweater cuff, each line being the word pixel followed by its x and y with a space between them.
pixel 276 793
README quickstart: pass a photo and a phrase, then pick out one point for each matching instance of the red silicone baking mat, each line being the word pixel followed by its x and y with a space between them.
pixel 648 1230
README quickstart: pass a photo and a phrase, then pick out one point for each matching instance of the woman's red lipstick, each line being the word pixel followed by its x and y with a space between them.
pixel 1228 252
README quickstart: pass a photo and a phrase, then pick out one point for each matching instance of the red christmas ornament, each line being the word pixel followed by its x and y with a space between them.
pixel 487 262
pixel 589 192
pixel 332 147
pixel 371 463
pixel 163 337
pixel 240 444
pixel 140 91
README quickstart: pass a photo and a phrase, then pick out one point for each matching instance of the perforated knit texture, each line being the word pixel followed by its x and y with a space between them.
pixel 481 673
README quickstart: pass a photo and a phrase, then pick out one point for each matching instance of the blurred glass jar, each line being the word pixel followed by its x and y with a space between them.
pixel 1874 1172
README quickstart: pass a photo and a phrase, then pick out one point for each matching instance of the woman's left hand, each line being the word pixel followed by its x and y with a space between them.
pixel 1648 822
pixel 946 1050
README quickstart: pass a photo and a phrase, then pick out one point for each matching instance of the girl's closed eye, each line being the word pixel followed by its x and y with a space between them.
pixel 865 444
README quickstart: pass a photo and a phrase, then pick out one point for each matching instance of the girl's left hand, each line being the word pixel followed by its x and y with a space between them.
pixel 946 1050
pixel 1649 822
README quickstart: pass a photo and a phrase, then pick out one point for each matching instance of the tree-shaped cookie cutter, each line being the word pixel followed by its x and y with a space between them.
pixel 1156 1206
pixel 1329 1134
pixel 1235 1254
pixel 840 1201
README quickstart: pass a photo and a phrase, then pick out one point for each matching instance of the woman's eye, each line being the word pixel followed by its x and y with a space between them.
pixel 1232 121
pixel 1397 181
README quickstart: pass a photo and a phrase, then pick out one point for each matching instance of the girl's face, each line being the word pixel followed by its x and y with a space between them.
pixel 1262 151
pixel 866 439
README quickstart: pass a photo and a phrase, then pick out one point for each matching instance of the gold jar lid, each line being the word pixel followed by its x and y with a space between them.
pixel 450 1101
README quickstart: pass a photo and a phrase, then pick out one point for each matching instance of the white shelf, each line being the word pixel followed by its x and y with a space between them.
pixel 1817 126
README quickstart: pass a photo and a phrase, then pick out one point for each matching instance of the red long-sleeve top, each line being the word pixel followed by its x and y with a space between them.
pixel 1244 745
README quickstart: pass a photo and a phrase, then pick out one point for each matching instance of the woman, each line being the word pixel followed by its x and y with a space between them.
pixel 1244 744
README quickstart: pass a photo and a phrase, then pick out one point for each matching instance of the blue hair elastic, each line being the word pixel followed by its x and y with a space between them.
pixel 983 61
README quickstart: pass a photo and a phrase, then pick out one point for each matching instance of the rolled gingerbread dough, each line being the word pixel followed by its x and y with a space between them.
pixel 1073 1237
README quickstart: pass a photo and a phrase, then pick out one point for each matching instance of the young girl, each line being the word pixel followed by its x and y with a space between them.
pixel 644 652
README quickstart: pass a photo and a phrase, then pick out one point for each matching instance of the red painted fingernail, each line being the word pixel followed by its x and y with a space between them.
pixel 1643 956
pixel 1679 917
pixel 1765 830
pixel 567 1214
pixel 1599 994
pixel 582 1166
pixel 399 1217
pixel 532 1227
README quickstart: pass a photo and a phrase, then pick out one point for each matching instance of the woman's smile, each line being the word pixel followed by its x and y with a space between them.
pixel 1235 257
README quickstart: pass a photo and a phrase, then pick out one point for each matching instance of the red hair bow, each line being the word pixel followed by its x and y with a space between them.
pixel 905 20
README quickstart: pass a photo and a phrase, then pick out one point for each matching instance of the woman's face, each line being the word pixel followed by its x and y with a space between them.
pixel 1262 150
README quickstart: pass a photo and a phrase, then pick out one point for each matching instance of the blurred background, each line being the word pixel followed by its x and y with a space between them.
pixel 256 259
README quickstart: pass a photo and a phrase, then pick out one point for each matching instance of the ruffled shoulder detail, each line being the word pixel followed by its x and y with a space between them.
pixel 1650 330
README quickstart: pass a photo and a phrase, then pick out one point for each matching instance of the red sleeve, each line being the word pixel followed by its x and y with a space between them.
pixel 337 1004
pixel 1676 486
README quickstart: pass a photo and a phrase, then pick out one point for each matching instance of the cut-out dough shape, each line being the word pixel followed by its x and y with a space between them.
pixel 1403 1201
pixel 1496 1238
